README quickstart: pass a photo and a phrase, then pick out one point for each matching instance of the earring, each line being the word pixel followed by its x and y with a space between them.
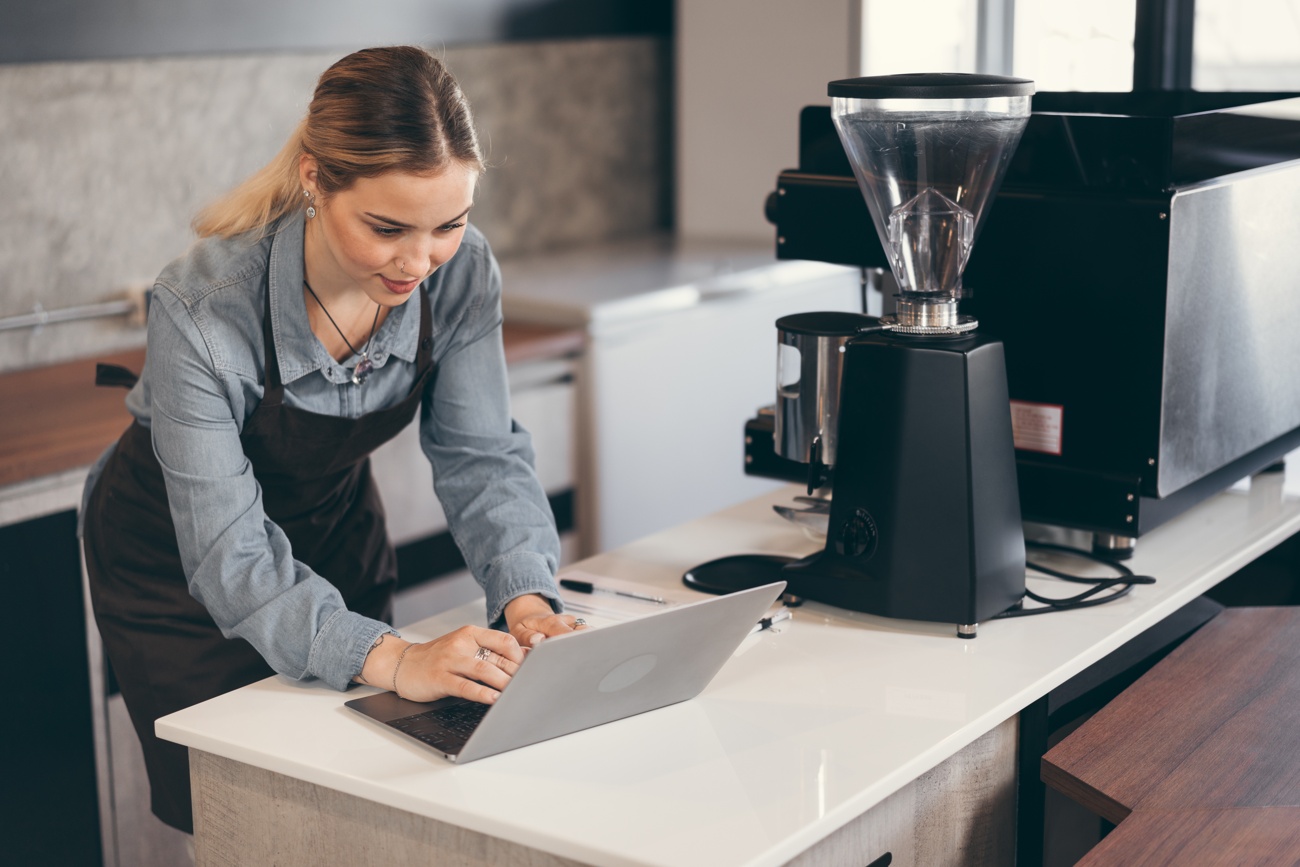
pixel 311 209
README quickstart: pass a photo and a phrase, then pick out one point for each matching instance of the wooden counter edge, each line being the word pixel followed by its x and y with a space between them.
pixel 58 420
pixel 1094 800
pixel 1242 836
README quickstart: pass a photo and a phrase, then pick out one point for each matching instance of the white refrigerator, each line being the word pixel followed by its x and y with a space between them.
pixel 681 351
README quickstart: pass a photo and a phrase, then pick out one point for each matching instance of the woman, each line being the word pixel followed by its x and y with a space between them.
pixel 234 530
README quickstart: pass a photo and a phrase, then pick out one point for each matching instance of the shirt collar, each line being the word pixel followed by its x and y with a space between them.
pixel 297 349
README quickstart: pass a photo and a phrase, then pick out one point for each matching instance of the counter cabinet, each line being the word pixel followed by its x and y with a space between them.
pixel 50 780
pixel 961 812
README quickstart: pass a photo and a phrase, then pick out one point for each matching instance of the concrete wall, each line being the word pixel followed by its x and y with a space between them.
pixel 104 163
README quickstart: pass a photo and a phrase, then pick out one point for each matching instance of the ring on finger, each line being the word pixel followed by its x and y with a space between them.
pixel 483 654
pixel 578 621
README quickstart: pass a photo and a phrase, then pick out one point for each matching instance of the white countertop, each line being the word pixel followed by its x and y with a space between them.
pixel 621 280
pixel 801 731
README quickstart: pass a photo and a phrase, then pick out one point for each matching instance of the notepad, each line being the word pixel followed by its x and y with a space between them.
pixel 601 609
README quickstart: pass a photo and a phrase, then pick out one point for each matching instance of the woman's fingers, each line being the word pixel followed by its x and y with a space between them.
pixel 476 663
pixel 471 662
pixel 472 691
pixel 489 675
pixel 502 662
pixel 525 635
pixel 473 679
pixel 501 643
pixel 558 624
pixel 531 631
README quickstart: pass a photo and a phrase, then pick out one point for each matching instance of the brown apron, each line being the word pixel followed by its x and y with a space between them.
pixel 166 651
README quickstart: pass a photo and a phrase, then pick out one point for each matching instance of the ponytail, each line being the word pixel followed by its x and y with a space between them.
pixel 261 199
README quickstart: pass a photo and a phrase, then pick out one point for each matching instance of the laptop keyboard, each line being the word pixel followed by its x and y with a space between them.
pixel 445 728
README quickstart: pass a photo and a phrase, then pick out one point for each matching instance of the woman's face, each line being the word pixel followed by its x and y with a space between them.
pixel 384 235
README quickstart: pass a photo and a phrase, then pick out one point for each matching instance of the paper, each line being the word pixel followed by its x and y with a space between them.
pixel 604 606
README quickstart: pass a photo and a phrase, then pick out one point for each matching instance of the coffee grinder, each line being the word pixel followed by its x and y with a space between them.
pixel 924 511
pixel 925 517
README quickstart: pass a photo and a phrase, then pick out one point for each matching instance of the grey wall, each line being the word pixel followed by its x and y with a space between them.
pixel 104 163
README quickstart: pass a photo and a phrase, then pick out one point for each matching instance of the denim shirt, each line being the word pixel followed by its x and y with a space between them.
pixel 203 377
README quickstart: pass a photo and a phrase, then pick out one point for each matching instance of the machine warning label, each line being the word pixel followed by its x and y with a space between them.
pixel 1036 427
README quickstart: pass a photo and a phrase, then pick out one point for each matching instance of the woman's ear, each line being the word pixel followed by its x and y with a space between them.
pixel 307 172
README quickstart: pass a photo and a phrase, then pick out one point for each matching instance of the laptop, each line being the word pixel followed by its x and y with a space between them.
pixel 583 679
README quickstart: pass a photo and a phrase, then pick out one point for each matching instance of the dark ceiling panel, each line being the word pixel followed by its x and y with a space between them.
pixel 47 30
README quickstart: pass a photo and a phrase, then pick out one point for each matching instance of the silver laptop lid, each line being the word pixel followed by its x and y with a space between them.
pixel 583 679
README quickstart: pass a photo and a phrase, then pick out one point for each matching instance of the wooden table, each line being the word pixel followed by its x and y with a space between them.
pixel 1199 761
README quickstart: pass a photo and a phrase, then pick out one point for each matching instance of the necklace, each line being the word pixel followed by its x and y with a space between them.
pixel 362 371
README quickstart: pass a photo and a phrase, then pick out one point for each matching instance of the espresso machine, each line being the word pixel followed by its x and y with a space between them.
pixel 1138 265
pixel 901 425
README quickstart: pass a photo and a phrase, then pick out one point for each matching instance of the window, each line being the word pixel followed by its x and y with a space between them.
pixel 1086 46
pixel 918 36
pixel 1246 46
pixel 1075 46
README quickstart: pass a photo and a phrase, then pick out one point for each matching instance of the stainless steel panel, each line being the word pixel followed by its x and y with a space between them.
pixel 1232 348
pixel 808 395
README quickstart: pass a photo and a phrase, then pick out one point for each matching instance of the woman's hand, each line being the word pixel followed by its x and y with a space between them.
pixel 531 619
pixel 473 663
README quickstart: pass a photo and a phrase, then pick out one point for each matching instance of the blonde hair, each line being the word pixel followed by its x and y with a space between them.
pixel 375 111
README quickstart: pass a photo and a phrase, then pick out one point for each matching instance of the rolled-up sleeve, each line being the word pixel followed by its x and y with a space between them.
pixel 482 460
pixel 238 563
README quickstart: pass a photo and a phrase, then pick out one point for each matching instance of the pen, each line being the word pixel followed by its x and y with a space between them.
pixel 589 587
pixel 768 622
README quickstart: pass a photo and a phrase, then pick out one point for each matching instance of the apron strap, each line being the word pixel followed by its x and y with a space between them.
pixel 424 354
pixel 273 388
pixel 115 375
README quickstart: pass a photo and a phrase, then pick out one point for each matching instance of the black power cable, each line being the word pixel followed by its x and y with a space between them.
pixel 1119 586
